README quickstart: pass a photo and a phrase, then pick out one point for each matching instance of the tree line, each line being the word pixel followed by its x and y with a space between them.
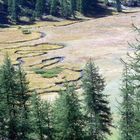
pixel 13 10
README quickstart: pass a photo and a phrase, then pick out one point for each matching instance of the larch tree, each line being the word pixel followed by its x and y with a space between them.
pixel 66 8
pixel 55 7
pixel 127 107
pixel 40 119
pixel 39 8
pixel 133 92
pixel 9 91
pixel 97 106
pixel 14 97
pixel 74 7
pixel 13 9
pixel 118 6
pixel 23 104
pixel 79 6
pixel 67 116
pixel 3 110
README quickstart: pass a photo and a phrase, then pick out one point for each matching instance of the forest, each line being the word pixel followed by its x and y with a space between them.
pixel 69 70
pixel 13 10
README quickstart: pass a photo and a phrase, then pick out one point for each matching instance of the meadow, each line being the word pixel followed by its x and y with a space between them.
pixel 52 53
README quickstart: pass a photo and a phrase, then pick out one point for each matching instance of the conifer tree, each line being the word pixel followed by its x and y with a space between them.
pixel 133 79
pixel 39 8
pixel 79 6
pixel 23 104
pixel 97 109
pixel 3 118
pixel 14 96
pixel 9 4
pixel 9 91
pixel 47 118
pixel 127 128
pixel 55 7
pixel 13 9
pixel 68 119
pixel 74 7
pixel 3 113
pixel 40 118
pixel 118 6
pixel 66 8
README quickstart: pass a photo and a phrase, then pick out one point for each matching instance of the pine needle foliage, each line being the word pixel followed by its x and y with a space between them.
pixel 97 107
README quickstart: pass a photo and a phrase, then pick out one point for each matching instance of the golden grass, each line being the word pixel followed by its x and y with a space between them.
pixel 67 75
pixel 34 56
pixel 49 24
pixel 16 35
pixel 30 52
pixel 40 47
pixel 36 81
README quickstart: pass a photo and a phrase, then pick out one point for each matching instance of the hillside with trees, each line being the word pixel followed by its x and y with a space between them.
pixel 14 10
pixel 69 70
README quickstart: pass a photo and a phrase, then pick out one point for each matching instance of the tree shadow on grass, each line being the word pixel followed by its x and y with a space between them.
pixel 100 11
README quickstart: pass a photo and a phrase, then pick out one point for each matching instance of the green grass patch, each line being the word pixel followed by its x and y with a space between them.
pixel 39 71
pixel 50 73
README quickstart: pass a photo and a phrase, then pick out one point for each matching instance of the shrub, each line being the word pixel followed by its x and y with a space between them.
pixel 26 31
